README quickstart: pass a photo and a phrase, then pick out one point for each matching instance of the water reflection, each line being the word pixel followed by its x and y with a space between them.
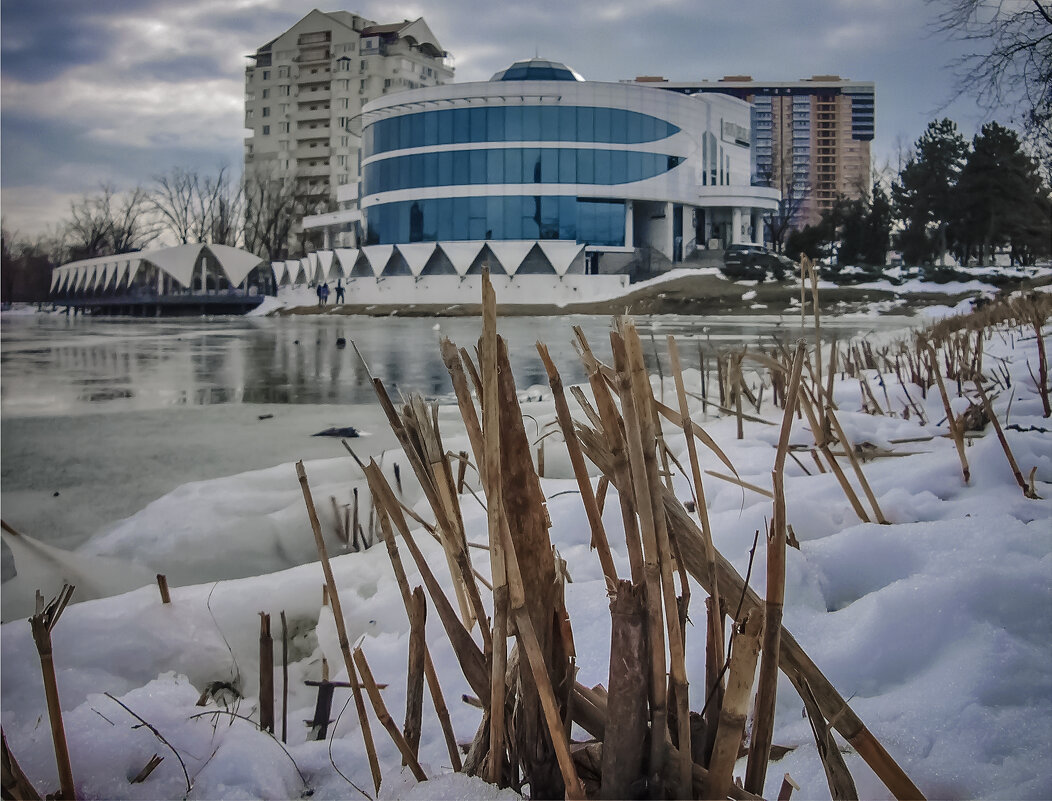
pixel 55 365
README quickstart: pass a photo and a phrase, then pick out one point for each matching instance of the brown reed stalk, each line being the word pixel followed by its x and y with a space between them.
pixel 162 587
pixel 414 692
pixel 951 421
pixel 823 445
pixel 649 438
pixel 284 677
pixel 13 779
pixel 849 449
pixel 744 650
pixel 341 626
pixel 584 482
pixel 266 674
pixel 439 701
pixel 715 632
pixel 838 777
pixel 42 623
pixel 380 708
pixel 767 681
pixel 992 415
pixel 744 484
pixel 455 367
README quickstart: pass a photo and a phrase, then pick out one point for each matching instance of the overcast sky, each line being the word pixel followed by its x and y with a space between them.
pixel 118 91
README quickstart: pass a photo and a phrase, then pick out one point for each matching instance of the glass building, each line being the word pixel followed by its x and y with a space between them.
pixel 595 175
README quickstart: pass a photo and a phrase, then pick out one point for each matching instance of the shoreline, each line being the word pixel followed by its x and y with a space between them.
pixel 690 294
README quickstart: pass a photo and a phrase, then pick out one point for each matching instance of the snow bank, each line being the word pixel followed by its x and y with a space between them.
pixel 936 626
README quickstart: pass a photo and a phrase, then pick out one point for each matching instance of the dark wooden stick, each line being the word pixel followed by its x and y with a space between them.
pixel 162 586
pixel 266 674
pixel 414 697
pixel 284 677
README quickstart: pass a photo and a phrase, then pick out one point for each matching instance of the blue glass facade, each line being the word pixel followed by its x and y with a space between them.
pixel 528 165
pixel 514 124
pixel 595 222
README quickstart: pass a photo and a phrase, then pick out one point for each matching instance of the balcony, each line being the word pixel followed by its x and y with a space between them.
pixel 314 92
pixel 313 57
pixel 316 152
pixel 306 113
pixel 321 171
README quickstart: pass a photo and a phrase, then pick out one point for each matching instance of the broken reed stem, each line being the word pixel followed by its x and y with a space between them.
pixel 743 484
pixel 14 780
pixel 162 586
pixel 584 482
pixel 414 694
pixel 266 674
pixel 849 448
pixel 951 421
pixel 439 701
pixel 491 449
pixel 767 681
pixel 341 627
pixel 744 651
pixel 42 624
pixel 284 677
pixel 838 777
pixel 989 407
pixel 821 442
pixel 380 708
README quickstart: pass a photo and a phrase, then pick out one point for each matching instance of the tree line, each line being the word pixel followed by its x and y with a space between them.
pixel 181 206
pixel 966 200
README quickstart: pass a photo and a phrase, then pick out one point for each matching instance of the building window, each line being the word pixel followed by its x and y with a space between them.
pixel 285 91
pixel 266 75
pixel 266 111
pixel 283 72
pixel 283 127
pixel 266 93
pixel 266 130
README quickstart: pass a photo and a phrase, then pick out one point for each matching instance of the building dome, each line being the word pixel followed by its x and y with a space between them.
pixel 537 69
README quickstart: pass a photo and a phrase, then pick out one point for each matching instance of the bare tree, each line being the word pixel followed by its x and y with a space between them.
pixel 269 207
pixel 1011 65
pixel 196 208
pixel 109 222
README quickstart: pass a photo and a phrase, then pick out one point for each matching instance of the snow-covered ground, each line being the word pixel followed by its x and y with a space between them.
pixel 937 626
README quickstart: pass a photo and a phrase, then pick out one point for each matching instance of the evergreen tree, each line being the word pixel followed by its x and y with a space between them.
pixel 1002 199
pixel 923 197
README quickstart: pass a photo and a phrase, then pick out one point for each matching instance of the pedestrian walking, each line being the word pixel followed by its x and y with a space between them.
pixel 339 290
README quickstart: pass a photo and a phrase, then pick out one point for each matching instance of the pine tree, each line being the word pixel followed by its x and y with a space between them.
pixel 924 198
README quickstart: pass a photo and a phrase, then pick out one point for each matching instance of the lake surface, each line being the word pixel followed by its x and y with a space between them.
pixel 101 416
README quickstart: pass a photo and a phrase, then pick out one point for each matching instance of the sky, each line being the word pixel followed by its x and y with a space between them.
pixel 117 92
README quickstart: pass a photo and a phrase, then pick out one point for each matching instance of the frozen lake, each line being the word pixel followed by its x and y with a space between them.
pixel 102 416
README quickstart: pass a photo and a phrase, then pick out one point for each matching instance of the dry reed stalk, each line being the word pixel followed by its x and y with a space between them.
pixel 14 781
pixel 147 769
pixel 341 627
pixel 823 445
pixel 849 449
pixel 266 674
pixel 785 792
pixel 527 636
pixel 498 569
pixel 429 669
pixel 380 708
pixel 42 623
pixel 584 482
pixel 992 415
pixel 767 681
pixel 341 535
pixel 455 367
pixel 745 648
pixel 715 633
pixel 162 586
pixel 284 677
pixel 651 568
pixel 838 777
pixel 677 657
pixel 743 484
pixel 622 763
pixel 951 421
pixel 737 382
pixel 414 693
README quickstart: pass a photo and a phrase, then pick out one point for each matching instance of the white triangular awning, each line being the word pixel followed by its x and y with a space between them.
pixel 305 271
pixel 511 254
pixel 55 275
pixel 282 272
pixel 346 257
pixel 417 255
pixel 314 268
pixel 134 265
pixel 461 254
pixel 330 268
pixel 80 278
pixel 235 262
pixel 102 279
pixel 560 254
pixel 178 262
pixel 378 256
pixel 122 273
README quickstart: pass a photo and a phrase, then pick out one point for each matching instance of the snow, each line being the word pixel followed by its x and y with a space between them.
pixel 936 626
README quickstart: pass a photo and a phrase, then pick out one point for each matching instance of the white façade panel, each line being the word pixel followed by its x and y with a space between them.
pixel 510 254
pixel 416 255
pixel 560 254
pixel 314 268
pixel 461 254
pixel 235 262
pixel 301 272
pixel 178 262
pixel 378 256
pixel 330 268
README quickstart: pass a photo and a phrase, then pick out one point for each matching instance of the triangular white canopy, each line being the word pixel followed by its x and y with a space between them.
pixel 346 258
pixel 417 255
pixel 378 256
pixel 314 268
pixel 461 254
pixel 330 268
pixel 560 254
pixel 305 271
pixel 178 262
pixel 281 272
pixel 236 263
pixel 510 254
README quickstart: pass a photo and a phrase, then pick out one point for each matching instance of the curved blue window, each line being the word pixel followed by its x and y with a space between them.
pixel 531 165
pixel 585 220
pixel 451 126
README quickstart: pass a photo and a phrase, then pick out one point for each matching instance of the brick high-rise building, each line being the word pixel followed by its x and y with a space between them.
pixel 305 90
pixel 810 138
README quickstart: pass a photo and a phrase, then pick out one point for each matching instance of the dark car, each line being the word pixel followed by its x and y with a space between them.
pixel 754 263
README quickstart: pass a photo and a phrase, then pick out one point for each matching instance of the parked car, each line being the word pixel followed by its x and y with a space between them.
pixel 755 262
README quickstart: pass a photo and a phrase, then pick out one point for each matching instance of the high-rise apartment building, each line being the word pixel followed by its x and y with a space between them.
pixel 305 90
pixel 810 138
